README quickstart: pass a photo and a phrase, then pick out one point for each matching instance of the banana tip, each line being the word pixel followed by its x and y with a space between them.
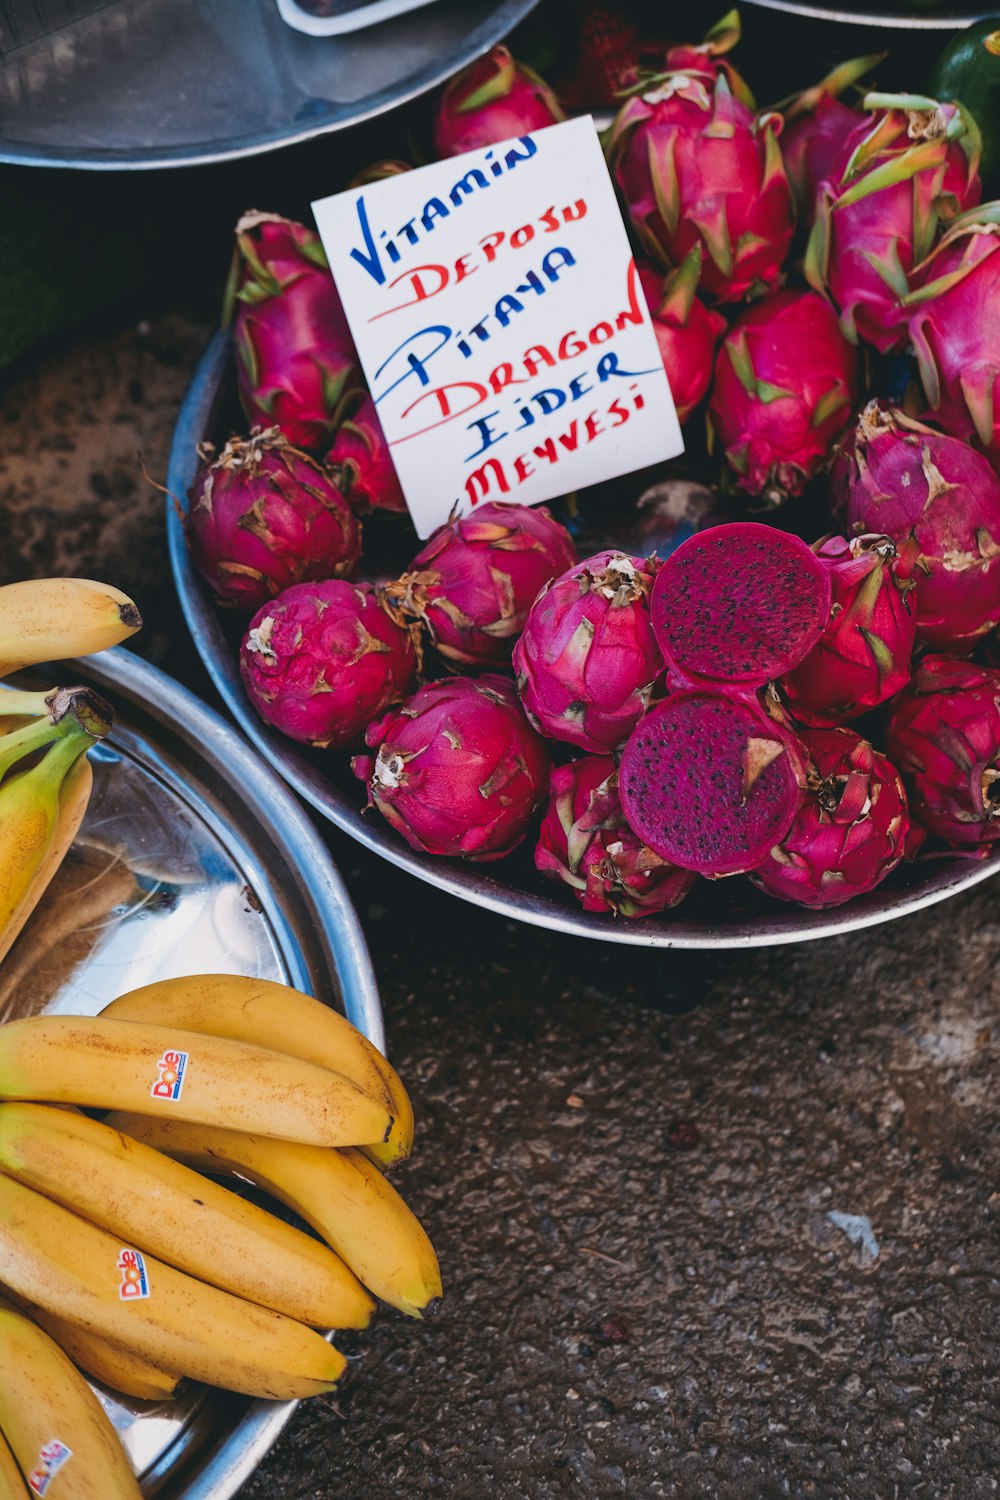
pixel 430 1309
pixel 130 616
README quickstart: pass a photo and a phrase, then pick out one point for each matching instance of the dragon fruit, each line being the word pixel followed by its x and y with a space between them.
pixel 585 841
pixel 324 659
pixel 817 122
pixel 494 99
pixel 693 167
pixel 459 770
pixel 863 656
pixel 905 480
pixel 740 603
pixel 378 171
pixel 474 581
pixel 263 516
pixel 362 465
pixel 711 783
pixel 295 359
pixel 587 660
pixel 850 830
pixel 912 165
pixel 785 381
pixel 709 57
pixel 686 330
pixel 955 328
pixel 945 737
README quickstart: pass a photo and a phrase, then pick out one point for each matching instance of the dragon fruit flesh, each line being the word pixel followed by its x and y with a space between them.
pixel 585 841
pixel 817 122
pixel 494 99
pixel 693 167
pixel 785 381
pixel 711 783
pixel 739 603
pixel 295 358
pixel 905 480
pixel 850 830
pixel 863 656
pixel 263 516
pixel 474 581
pixel 587 660
pixel 362 465
pixel 907 168
pixel 945 737
pixel 459 770
pixel 324 659
pixel 686 330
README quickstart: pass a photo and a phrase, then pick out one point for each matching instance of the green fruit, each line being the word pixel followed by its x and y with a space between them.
pixel 969 70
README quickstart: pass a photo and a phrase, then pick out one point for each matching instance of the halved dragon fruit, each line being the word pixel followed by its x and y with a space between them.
pixel 850 830
pixel 362 465
pixel 817 122
pixel 687 332
pixel 585 841
pixel 473 582
pixel 494 99
pixel 324 659
pixel 459 770
pixel 264 516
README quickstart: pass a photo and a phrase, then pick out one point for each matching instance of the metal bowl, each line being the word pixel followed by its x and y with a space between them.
pixel 729 914
pixel 899 17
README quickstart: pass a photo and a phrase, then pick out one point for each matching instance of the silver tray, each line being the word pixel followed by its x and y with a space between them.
pixel 729 914
pixel 898 17
pixel 193 857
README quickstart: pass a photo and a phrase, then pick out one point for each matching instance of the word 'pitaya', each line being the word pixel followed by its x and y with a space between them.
pixel 945 738
pixel 474 581
pixel 362 465
pixel 785 382
pixel 908 481
pixel 587 659
pixel 817 122
pixel 710 782
pixel 686 330
pixel 863 656
pixel 323 659
pixel 494 99
pixel 850 830
pixel 264 516
pixel 459 769
pixel 585 841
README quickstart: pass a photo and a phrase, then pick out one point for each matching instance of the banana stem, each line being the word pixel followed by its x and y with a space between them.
pixel 20 705
pixel 14 747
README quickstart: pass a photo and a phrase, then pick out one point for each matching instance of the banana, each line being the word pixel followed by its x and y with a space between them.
pixel 49 619
pixel 117 1368
pixel 56 1260
pixel 273 1015
pixel 339 1193
pixel 54 1423
pixel 74 799
pixel 176 1214
pixel 12 1485
pixel 162 1070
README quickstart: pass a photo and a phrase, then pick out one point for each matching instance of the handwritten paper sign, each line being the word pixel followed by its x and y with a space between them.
pixel 500 324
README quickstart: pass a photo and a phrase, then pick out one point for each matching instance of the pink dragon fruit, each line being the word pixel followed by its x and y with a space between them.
pixel 474 581
pixel 295 359
pixel 586 661
pixel 945 737
pixel 686 330
pixel 785 381
pixel 494 99
pixel 738 604
pixel 899 174
pixel 863 656
pixel 711 783
pixel 850 830
pixel 694 167
pixel 817 123
pixel 263 516
pixel 955 328
pixel 709 57
pixel 908 481
pixel 362 465
pixel 585 841
pixel 323 659
pixel 459 770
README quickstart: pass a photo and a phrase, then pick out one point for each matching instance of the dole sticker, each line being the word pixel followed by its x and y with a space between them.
pixel 50 1461
pixel 172 1068
pixel 134 1281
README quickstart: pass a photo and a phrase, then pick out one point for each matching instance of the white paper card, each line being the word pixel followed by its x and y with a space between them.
pixel 500 324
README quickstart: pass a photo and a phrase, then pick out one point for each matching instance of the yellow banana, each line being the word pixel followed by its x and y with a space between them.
pixel 117 1368
pixel 49 619
pixel 74 798
pixel 165 1070
pixel 58 1261
pixel 176 1214
pixel 54 1423
pixel 339 1193
pixel 273 1015
pixel 12 1485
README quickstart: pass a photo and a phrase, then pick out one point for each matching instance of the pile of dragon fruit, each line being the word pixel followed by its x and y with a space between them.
pixel 805 715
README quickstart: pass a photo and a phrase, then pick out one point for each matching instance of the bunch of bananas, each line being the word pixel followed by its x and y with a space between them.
pixel 119 1257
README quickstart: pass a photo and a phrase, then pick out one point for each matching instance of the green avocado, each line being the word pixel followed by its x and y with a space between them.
pixel 969 70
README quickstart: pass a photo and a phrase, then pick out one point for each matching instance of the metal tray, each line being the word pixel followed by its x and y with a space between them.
pixel 193 857
pixel 899 17
pixel 728 914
